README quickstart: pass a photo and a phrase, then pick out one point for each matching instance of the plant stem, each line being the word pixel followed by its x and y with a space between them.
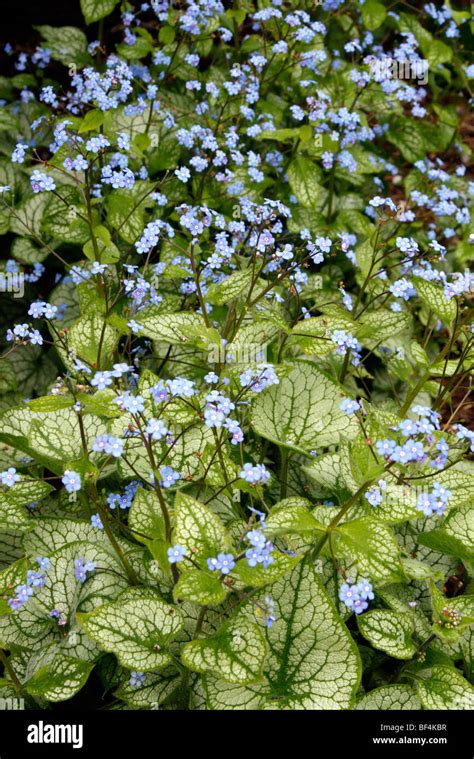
pixel 284 472
pixel 8 668
pixel 132 576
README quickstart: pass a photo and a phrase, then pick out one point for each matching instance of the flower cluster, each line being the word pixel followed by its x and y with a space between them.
pixel 255 474
pixel 34 580
pixel 260 551
pixel 434 501
pixel 24 333
pixel 258 379
pixel 125 500
pixel 82 567
pixel 345 342
pixel 108 444
pixel 451 618
pixel 356 595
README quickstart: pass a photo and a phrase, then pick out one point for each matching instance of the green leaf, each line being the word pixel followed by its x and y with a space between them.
pixel 373 549
pixel 405 135
pixel 198 528
pixel 304 178
pixel 26 219
pixel 145 517
pixel 433 296
pixel 440 541
pixel 140 48
pixel 436 51
pixel 169 328
pixel 92 120
pixel 292 515
pixel 166 156
pixel 29 368
pixel 302 412
pixel 59 680
pixel 51 402
pixel 236 652
pixel 200 587
pixel 373 14
pixel 445 688
pixel 376 327
pixel 137 628
pixel 462 606
pixel 32 626
pixel 459 525
pixel 258 577
pixel 14 517
pixel 104 250
pixel 86 336
pixel 94 10
pixel 124 216
pixel 154 691
pixel 62 217
pixel 459 479
pixel 388 631
pixel 312 661
pixel 14 574
pixel 53 436
pixel 66 43
pixel 388 698
pixel 230 288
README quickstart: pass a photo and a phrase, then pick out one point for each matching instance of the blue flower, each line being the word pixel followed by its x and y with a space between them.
pixel 10 477
pixel 156 429
pixel 137 679
pixel 18 155
pixel 135 404
pixel 108 444
pixel 254 474
pixel 176 553
pixel 224 563
pixel 349 406
pixel 96 522
pixel 183 174
pixel 71 481
pixel 81 567
pixel 355 596
pixel 40 182
pixel 168 476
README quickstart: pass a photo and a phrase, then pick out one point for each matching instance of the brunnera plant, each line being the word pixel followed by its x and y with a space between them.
pixel 236 465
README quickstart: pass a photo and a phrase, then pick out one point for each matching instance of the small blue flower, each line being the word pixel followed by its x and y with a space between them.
pixel 176 553
pixel 10 477
pixel 183 174
pixel 35 579
pixel 168 477
pixel 349 406
pixel 254 474
pixel 96 522
pixel 71 481
pixel 81 567
pixel 224 563
pixel 137 679
pixel 41 182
